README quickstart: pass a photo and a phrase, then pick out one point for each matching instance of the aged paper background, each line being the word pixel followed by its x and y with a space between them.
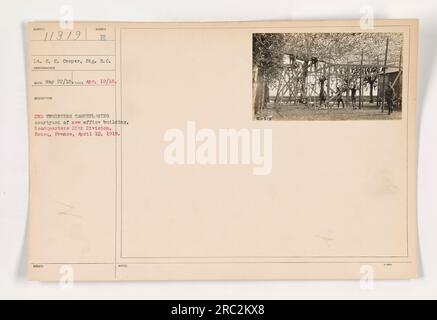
pixel 341 194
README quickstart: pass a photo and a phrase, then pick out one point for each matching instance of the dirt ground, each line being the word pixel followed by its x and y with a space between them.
pixel 285 112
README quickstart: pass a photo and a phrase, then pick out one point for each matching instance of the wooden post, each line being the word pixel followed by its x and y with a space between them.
pixel 383 79
pixel 377 79
pixel 322 87
pixel 360 103
pixel 347 82
pixel 400 80
pixel 328 84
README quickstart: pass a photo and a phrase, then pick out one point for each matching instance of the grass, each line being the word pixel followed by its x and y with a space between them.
pixel 284 112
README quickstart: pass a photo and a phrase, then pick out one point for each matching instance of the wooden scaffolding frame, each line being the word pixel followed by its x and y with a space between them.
pixel 300 86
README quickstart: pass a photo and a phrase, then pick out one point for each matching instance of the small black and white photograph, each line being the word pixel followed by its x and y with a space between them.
pixel 327 76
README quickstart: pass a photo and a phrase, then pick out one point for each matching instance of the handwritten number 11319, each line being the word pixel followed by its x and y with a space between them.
pixel 62 36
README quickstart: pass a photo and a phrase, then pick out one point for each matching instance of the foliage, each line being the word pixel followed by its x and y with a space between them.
pixel 341 48
pixel 268 53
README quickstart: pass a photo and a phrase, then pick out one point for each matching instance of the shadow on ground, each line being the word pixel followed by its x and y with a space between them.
pixel 309 113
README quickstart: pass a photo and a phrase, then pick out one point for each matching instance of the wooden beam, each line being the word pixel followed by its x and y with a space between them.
pixel 383 79
pixel 360 103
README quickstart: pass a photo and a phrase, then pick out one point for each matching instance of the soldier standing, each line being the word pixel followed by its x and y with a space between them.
pixel 354 96
pixel 339 97
pixel 389 96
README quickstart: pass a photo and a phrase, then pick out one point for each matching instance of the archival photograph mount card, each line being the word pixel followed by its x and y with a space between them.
pixel 222 150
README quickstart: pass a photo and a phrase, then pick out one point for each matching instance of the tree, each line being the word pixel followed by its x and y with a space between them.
pixel 267 55
pixel 371 78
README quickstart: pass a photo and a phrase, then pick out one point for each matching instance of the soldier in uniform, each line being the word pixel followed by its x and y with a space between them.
pixel 322 98
pixel 389 97
pixel 354 96
pixel 339 97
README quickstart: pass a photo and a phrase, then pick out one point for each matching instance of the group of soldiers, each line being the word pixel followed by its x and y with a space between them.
pixel 389 95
